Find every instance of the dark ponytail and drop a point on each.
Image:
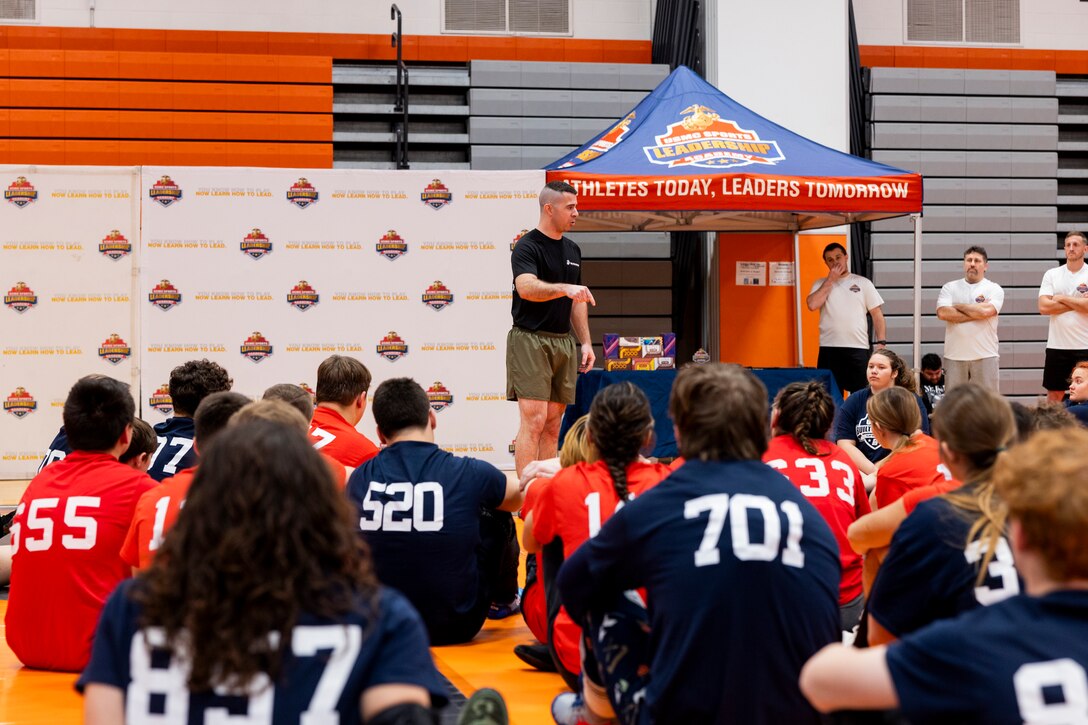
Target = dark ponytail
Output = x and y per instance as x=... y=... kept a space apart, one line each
x=805 y=411
x=619 y=420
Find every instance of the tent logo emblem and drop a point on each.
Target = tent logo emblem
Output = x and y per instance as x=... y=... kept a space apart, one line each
x=256 y=347
x=604 y=143
x=161 y=401
x=437 y=296
x=302 y=193
x=20 y=298
x=164 y=295
x=705 y=139
x=113 y=350
x=303 y=296
x=256 y=244
x=436 y=195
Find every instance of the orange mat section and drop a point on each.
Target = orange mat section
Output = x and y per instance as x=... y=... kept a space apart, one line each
x=30 y=697
x=1071 y=62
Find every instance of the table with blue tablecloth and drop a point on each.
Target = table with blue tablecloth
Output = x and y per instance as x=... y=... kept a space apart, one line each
x=657 y=385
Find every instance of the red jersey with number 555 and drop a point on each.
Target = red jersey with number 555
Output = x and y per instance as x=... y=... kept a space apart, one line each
x=65 y=539
x=831 y=482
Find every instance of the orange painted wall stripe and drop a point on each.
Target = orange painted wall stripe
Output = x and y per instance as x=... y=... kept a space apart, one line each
x=171 y=153
x=1066 y=62
x=173 y=125
x=345 y=46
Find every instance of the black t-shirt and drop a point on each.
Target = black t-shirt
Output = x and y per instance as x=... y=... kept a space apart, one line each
x=551 y=260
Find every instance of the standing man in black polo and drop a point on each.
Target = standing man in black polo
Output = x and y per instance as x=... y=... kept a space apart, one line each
x=551 y=321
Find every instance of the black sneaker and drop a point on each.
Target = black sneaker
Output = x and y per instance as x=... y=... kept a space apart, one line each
x=485 y=707
x=536 y=656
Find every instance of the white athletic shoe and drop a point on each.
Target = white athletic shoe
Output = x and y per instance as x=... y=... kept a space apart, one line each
x=568 y=708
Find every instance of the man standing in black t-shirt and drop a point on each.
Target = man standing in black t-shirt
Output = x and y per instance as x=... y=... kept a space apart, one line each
x=549 y=302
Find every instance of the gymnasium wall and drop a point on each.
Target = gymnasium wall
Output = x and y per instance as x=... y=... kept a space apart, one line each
x=129 y=272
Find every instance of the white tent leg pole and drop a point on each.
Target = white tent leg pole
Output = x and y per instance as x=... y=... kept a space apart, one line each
x=797 y=298
x=917 y=219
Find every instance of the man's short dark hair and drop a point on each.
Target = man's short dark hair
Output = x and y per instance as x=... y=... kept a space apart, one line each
x=341 y=379
x=831 y=248
x=293 y=395
x=213 y=413
x=143 y=440
x=931 y=361
x=96 y=412
x=562 y=187
x=399 y=404
x=975 y=249
x=191 y=382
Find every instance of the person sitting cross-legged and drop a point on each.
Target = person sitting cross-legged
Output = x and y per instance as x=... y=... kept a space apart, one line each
x=438 y=524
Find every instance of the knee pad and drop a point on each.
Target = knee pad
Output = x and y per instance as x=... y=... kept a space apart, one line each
x=405 y=714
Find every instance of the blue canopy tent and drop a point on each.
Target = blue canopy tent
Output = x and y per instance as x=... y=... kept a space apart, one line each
x=690 y=158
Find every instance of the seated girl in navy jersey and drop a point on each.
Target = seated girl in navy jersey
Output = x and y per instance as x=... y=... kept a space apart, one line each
x=824 y=473
x=852 y=431
x=951 y=554
x=1078 y=393
x=913 y=461
x=262 y=603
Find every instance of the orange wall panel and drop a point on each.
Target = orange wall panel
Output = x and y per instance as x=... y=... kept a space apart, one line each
x=74 y=38
x=140 y=39
x=199 y=126
x=252 y=127
x=303 y=69
x=91 y=153
x=199 y=67
x=145 y=95
x=305 y=127
x=242 y=42
x=36 y=63
x=305 y=99
x=36 y=123
x=36 y=152
x=31 y=36
x=145 y=153
x=192 y=41
x=36 y=93
x=90 y=63
x=5 y=70
x=91 y=124
x=200 y=153
x=90 y=94
x=306 y=156
x=145 y=124
x=141 y=65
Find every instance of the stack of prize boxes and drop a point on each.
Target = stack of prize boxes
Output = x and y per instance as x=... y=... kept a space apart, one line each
x=639 y=353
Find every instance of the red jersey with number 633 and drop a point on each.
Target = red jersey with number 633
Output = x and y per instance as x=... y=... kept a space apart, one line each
x=65 y=539
x=831 y=482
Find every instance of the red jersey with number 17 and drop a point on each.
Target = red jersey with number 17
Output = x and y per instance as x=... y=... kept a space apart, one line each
x=831 y=482
x=338 y=439
x=65 y=539
x=572 y=507
x=156 y=512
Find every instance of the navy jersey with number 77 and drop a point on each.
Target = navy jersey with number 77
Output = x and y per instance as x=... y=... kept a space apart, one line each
x=742 y=577
x=174 y=451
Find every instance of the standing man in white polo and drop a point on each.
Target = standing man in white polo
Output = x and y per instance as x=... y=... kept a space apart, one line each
x=844 y=300
x=1063 y=296
x=969 y=308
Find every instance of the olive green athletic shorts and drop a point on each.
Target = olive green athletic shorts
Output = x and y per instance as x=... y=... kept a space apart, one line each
x=541 y=366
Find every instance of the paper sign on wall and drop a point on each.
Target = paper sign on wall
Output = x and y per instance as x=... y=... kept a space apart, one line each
x=781 y=274
x=751 y=274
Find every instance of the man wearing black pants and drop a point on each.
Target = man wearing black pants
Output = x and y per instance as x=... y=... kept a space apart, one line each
x=438 y=525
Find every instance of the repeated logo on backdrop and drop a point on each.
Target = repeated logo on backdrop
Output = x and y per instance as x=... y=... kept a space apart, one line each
x=517 y=237
x=161 y=401
x=302 y=193
x=436 y=195
x=437 y=296
x=391 y=245
x=20 y=298
x=164 y=295
x=302 y=296
x=256 y=347
x=21 y=192
x=256 y=244
x=439 y=396
x=114 y=245
x=165 y=191
x=114 y=349
x=20 y=403
x=392 y=347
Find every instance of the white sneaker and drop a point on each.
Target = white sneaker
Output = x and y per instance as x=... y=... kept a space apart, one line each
x=568 y=708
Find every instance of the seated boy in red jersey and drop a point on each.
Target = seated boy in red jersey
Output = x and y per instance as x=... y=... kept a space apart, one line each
x=157 y=509
x=68 y=530
x=342 y=385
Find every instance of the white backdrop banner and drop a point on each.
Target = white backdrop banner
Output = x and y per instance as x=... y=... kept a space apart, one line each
x=270 y=271
x=69 y=241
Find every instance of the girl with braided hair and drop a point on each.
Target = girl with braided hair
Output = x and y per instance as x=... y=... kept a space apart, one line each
x=571 y=507
x=824 y=473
